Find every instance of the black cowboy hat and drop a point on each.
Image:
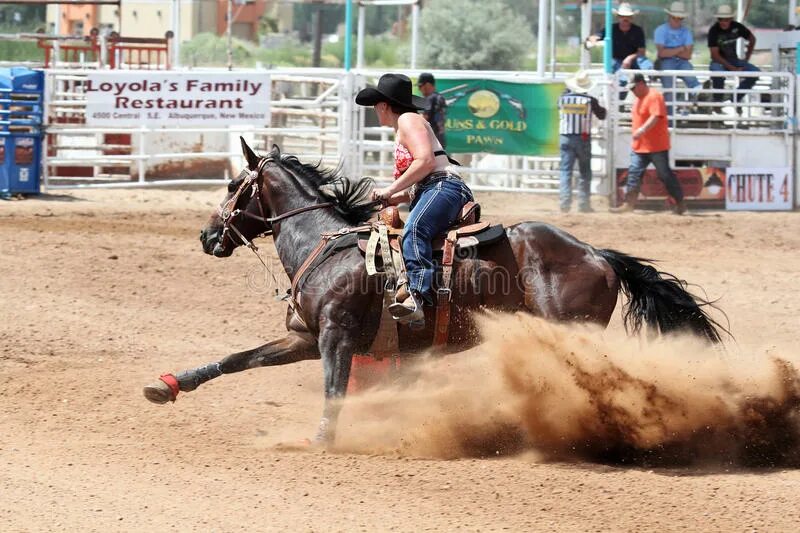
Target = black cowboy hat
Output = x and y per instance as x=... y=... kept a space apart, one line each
x=394 y=89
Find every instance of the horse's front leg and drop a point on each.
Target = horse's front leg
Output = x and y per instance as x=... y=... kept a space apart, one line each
x=290 y=349
x=337 y=342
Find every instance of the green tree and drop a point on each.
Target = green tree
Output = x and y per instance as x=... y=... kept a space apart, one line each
x=473 y=34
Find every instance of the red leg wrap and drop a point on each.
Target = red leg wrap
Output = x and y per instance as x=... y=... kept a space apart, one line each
x=172 y=383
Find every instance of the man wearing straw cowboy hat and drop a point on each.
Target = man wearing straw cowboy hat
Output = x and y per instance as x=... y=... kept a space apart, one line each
x=675 y=44
x=628 y=41
x=575 y=109
x=722 y=37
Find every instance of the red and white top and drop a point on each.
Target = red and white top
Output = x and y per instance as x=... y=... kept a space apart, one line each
x=402 y=160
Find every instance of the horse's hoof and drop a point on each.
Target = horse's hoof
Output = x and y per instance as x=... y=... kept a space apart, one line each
x=162 y=391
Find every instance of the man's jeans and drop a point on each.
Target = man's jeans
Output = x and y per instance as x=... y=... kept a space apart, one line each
x=744 y=83
x=575 y=147
x=660 y=160
x=436 y=206
x=668 y=82
x=641 y=63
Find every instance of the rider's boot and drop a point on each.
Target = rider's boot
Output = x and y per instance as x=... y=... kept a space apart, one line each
x=407 y=308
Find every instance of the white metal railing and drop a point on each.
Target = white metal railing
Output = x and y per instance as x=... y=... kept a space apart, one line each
x=768 y=106
x=313 y=116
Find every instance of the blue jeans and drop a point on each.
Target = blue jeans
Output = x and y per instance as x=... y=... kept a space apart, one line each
x=744 y=83
x=667 y=82
x=436 y=206
x=641 y=63
x=660 y=160
x=575 y=147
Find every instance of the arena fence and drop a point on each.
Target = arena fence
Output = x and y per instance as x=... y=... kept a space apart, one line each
x=314 y=116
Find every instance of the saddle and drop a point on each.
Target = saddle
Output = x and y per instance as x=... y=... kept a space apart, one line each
x=383 y=255
x=380 y=242
x=470 y=231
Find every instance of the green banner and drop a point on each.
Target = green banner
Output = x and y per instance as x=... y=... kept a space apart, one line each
x=501 y=117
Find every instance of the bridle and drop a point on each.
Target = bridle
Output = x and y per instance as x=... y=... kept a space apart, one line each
x=254 y=180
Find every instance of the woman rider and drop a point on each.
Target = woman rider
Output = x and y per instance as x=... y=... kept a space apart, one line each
x=424 y=176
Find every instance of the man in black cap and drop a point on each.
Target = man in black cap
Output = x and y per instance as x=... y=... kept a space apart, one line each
x=436 y=107
x=650 y=143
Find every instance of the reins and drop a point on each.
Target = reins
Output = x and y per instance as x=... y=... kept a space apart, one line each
x=228 y=213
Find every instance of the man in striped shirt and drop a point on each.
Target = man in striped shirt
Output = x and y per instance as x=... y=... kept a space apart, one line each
x=576 y=108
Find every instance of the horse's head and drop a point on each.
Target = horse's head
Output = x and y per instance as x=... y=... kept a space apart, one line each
x=241 y=216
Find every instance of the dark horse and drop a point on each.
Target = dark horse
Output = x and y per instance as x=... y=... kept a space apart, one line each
x=539 y=269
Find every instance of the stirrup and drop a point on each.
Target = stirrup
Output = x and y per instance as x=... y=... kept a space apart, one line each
x=404 y=313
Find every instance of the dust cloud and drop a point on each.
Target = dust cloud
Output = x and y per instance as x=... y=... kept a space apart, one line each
x=566 y=392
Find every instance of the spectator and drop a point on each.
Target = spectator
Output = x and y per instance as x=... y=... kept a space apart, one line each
x=436 y=107
x=650 y=144
x=575 y=109
x=675 y=44
x=628 y=44
x=722 y=37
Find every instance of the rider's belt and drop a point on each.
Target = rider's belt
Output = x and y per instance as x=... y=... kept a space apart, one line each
x=439 y=175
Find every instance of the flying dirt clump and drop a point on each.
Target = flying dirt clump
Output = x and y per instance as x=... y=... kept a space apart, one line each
x=581 y=393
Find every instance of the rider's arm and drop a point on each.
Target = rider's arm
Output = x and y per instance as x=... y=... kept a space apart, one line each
x=412 y=132
x=399 y=198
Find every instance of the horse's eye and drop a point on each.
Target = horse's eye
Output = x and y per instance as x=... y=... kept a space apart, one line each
x=232 y=186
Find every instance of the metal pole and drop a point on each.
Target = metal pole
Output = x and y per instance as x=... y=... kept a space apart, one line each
x=553 y=38
x=608 y=64
x=348 y=32
x=57 y=30
x=541 y=52
x=230 y=36
x=346 y=121
x=316 y=32
x=586 y=30
x=414 y=34
x=740 y=18
x=793 y=12
x=360 y=40
x=142 y=151
x=176 y=30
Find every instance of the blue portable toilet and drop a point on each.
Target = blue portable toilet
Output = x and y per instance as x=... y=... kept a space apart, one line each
x=21 y=113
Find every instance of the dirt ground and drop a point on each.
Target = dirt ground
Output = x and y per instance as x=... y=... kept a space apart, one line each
x=101 y=291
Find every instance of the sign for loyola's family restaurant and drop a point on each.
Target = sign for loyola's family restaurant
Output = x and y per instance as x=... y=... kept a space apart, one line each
x=146 y=98
x=758 y=189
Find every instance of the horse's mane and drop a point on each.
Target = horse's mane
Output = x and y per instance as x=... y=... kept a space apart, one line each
x=350 y=199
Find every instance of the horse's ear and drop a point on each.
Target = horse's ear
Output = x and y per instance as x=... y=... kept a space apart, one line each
x=249 y=155
x=276 y=151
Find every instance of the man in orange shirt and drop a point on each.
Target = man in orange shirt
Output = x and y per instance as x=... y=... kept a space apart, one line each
x=650 y=145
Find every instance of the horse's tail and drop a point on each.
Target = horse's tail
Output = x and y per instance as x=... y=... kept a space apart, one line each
x=660 y=299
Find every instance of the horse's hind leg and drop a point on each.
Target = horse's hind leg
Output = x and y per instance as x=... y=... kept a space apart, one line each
x=290 y=349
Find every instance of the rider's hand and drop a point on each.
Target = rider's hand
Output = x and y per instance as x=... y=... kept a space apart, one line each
x=383 y=194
